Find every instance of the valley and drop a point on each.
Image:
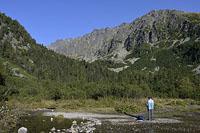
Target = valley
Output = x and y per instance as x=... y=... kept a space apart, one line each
x=109 y=70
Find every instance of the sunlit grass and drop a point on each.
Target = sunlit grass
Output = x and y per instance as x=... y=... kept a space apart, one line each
x=103 y=105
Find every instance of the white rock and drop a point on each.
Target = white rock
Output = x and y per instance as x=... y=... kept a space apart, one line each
x=53 y=129
x=157 y=68
x=144 y=68
x=22 y=130
x=153 y=59
x=197 y=70
x=118 y=69
x=133 y=60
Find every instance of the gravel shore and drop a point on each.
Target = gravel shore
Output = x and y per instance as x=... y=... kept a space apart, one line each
x=113 y=118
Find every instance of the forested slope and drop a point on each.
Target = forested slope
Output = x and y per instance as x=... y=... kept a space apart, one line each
x=30 y=70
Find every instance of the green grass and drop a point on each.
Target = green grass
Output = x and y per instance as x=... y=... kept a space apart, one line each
x=163 y=107
x=194 y=17
x=104 y=105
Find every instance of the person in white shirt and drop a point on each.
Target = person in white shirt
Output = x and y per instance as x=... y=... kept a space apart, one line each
x=150 y=108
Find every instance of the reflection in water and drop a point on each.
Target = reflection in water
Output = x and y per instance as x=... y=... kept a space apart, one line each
x=150 y=130
x=38 y=123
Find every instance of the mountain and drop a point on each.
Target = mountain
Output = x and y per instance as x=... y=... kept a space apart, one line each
x=88 y=46
x=118 y=42
x=28 y=69
x=158 y=54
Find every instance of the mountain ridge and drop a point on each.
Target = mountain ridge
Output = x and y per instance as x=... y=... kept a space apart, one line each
x=168 y=68
x=117 y=41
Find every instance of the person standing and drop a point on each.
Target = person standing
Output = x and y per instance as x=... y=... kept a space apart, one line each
x=150 y=108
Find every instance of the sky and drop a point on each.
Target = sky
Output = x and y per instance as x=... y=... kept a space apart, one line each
x=50 y=20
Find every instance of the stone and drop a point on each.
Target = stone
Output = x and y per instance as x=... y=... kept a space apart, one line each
x=22 y=130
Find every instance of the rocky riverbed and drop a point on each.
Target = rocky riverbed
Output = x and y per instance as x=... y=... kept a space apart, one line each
x=112 y=118
x=57 y=122
x=94 y=121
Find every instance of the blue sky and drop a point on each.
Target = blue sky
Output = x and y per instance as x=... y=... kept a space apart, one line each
x=49 y=20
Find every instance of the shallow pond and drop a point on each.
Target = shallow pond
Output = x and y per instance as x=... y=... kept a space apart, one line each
x=190 y=123
x=39 y=123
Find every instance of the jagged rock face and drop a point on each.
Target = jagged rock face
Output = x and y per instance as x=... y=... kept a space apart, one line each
x=93 y=45
x=116 y=43
x=161 y=25
x=83 y=47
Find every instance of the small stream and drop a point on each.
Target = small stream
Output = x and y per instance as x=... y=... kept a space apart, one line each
x=38 y=123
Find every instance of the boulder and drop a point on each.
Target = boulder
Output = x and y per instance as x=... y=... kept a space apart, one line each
x=22 y=130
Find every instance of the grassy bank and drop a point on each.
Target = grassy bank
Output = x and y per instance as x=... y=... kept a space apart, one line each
x=14 y=108
x=104 y=105
x=9 y=117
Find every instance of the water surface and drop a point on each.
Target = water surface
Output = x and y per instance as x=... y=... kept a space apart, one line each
x=190 y=123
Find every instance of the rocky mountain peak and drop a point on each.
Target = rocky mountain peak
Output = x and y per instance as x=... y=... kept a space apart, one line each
x=116 y=43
